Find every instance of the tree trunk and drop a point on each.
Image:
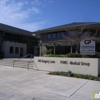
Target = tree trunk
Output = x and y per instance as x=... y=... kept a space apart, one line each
x=54 y=50
x=76 y=48
x=71 y=49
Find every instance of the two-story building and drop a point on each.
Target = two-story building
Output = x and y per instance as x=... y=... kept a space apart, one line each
x=53 y=37
x=15 y=42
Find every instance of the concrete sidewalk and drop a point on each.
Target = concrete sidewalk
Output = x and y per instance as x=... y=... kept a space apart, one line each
x=21 y=84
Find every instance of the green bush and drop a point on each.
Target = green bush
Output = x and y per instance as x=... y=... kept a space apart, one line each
x=52 y=55
x=85 y=56
x=59 y=73
x=74 y=55
x=90 y=77
x=77 y=55
x=97 y=55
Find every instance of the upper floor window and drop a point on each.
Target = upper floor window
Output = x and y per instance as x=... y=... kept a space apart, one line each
x=49 y=36
x=65 y=33
x=85 y=34
x=58 y=35
x=54 y=35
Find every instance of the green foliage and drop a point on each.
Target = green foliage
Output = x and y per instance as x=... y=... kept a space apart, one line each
x=97 y=55
x=74 y=55
x=52 y=55
x=59 y=73
x=90 y=77
x=85 y=56
x=77 y=55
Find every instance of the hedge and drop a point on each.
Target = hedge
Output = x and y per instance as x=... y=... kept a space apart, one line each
x=90 y=77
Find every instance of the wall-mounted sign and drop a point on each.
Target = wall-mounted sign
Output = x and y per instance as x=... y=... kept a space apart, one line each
x=87 y=47
x=75 y=65
x=65 y=62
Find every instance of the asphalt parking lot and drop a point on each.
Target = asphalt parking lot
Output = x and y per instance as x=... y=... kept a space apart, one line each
x=23 y=84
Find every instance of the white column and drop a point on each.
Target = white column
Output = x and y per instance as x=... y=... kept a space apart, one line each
x=40 y=50
x=71 y=49
x=40 y=44
x=54 y=49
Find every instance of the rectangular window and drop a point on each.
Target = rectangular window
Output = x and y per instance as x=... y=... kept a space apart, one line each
x=58 y=35
x=16 y=50
x=1 y=33
x=49 y=36
x=21 y=52
x=54 y=35
x=11 y=49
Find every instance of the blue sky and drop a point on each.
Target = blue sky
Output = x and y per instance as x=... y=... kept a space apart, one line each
x=34 y=15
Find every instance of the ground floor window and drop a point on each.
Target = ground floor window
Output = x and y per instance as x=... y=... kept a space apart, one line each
x=16 y=50
x=11 y=49
x=21 y=52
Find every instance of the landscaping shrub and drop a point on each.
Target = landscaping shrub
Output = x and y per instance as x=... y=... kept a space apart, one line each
x=97 y=55
x=90 y=77
x=85 y=56
x=74 y=55
x=52 y=55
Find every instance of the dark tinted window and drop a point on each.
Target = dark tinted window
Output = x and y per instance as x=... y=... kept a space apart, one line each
x=58 y=35
x=16 y=50
x=1 y=33
x=11 y=49
x=49 y=36
x=21 y=50
x=54 y=35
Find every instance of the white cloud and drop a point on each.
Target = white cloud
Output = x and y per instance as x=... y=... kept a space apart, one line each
x=36 y=2
x=36 y=9
x=13 y=13
x=33 y=26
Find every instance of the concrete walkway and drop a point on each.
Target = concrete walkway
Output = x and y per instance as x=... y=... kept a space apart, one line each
x=21 y=84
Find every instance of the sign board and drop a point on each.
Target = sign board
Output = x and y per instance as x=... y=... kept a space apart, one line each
x=76 y=65
x=87 y=47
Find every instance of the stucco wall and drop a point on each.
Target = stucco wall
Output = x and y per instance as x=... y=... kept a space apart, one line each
x=76 y=65
x=6 y=48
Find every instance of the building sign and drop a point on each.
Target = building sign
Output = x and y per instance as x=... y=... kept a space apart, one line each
x=87 y=47
x=64 y=62
x=75 y=65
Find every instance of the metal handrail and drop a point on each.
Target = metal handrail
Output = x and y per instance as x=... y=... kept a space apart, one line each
x=24 y=56
x=21 y=58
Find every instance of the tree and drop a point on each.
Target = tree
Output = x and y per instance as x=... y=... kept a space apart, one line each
x=74 y=36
